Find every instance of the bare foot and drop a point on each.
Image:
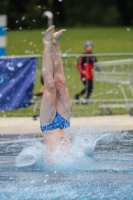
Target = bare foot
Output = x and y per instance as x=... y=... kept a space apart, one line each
x=57 y=35
x=48 y=35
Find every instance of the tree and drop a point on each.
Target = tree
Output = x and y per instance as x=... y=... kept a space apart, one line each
x=28 y=14
x=25 y=14
x=125 y=8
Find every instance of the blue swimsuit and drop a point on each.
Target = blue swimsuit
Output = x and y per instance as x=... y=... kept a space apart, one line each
x=58 y=122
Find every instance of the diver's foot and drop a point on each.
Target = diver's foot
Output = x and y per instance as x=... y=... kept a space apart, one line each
x=57 y=35
x=48 y=35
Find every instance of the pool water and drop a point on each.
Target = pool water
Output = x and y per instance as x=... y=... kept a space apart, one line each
x=101 y=168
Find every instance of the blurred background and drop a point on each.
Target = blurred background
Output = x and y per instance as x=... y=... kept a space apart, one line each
x=28 y=14
x=107 y=23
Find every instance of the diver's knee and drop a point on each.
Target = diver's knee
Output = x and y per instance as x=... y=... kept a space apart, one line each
x=60 y=82
x=50 y=85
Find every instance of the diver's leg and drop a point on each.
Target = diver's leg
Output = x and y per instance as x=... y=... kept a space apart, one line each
x=48 y=103
x=62 y=95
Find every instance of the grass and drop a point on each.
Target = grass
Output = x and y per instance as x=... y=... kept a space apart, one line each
x=106 y=40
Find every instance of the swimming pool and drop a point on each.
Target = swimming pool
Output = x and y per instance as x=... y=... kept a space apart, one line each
x=102 y=168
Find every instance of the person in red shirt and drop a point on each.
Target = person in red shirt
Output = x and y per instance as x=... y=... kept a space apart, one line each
x=85 y=67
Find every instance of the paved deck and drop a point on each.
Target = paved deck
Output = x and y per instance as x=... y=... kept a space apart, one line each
x=26 y=125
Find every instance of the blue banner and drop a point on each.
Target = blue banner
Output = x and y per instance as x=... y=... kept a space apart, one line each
x=17 y=76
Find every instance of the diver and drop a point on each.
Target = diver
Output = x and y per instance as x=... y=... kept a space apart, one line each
x=55 y=103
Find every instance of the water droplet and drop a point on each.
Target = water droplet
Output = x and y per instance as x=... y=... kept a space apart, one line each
x=19 y=64
x=11 y=68
x=128 y=29
x=32 y=182
x=23 y=18
x=43 y=69
x=26 y=51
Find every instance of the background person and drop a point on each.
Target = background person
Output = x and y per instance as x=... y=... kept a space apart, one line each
x=85 y=67
x=40 y=93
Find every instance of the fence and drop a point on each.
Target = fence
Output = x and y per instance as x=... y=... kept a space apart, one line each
x=113 y=87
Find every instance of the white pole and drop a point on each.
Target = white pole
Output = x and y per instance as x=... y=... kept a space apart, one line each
x=49 y=15
x=3 y=24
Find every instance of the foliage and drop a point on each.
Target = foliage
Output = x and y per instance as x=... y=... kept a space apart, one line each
x=28 y=15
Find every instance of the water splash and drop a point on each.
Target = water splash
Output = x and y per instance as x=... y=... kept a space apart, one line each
x=95 y=169
x=80 y=158
x=29 y=155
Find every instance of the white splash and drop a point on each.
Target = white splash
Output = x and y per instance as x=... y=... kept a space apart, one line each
x=11 y=68
x=20 y=64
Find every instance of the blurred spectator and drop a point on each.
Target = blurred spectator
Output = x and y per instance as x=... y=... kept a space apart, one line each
x=85 y=67
x=40 y=93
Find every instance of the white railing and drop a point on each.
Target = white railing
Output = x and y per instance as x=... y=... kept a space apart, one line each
x=113 y=85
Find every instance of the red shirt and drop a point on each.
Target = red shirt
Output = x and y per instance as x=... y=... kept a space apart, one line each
x=85 y=66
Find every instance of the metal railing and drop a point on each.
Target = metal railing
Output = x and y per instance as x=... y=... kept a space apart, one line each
x=113 y=85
